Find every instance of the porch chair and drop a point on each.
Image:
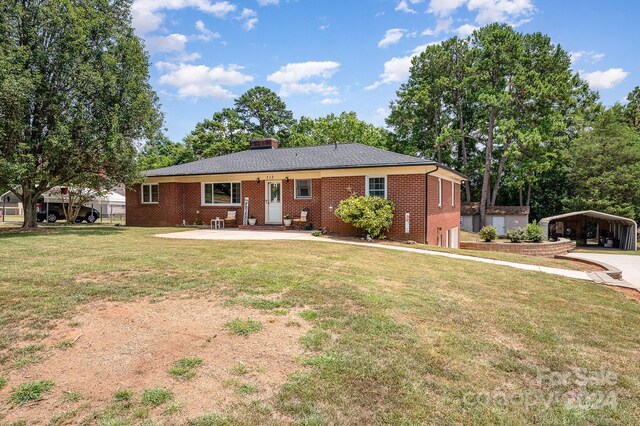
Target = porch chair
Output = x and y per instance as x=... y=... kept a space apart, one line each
x=301 y=222
x=231 y=220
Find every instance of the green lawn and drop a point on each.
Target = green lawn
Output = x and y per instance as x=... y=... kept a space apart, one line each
x=395 y=338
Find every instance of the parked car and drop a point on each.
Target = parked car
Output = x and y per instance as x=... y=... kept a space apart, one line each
x=56 y=211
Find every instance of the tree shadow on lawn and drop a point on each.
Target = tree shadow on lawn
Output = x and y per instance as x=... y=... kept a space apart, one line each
x=76 y=230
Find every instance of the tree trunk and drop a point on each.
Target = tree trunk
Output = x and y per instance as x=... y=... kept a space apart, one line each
x=29 y=199
x=488 y=157
x=496 y=188
x=520 y=195
x=463 y=145
x=529 y=195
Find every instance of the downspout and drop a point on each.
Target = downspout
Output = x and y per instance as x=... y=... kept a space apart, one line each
x=426 y=202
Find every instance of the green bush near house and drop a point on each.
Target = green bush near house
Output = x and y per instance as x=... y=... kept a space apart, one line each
x=488 y=233
x=373 y=215
x=534 y=232
x=517 y=235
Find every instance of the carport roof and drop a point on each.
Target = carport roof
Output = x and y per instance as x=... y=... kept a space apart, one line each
x=591 y=213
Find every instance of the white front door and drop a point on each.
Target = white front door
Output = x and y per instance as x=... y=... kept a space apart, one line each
x=499 y=223
x=274 y=202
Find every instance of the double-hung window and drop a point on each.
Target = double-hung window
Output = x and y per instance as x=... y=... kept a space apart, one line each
x=149 y=193
x=303 y=189
x=377 y=186
x=439 y=192
x=223 y=193
x=453 y=194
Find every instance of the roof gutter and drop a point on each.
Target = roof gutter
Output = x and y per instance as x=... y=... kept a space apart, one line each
x=426 y=201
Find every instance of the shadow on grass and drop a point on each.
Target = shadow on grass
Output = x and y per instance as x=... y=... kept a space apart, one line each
x=77 y=230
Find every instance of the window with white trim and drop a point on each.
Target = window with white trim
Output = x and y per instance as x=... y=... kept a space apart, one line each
x=302 y=189
x=221 y=193
x=453 y=194
x=150 y=193
x=439 y=192
x=377 y=186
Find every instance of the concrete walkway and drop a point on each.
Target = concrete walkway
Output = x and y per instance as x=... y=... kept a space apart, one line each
x=248 y=235
x=627 y=263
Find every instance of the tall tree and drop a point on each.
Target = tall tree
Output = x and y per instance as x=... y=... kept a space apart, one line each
x=632 y=109
x=496 y=105
x=223 y=134
x=74 y=95
x=160 y=151
x=332 y=128
x=264 y=113
x=604 y=167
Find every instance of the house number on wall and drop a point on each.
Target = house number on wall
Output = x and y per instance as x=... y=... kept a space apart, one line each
x=269 y=177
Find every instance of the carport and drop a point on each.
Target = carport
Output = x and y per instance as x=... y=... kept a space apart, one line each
x=591 y=228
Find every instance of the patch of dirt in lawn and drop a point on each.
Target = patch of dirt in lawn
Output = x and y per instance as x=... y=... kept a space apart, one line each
x=132 y=345
x=630 y=293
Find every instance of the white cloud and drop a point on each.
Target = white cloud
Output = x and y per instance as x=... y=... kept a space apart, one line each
x=250 y=18
x=323 y=27
x=195 y=81
x=582 y=55
x=465 y=30
x=500 y=10
x=513 y=12
x=268 y=2
x=444 y=7
x=163 y=44
x=205 y=33
x=293 y=78
x=391 y=37
x=330 y=101
x=147 y=17
x=403 y=6
x=396 y=70
x=605 y=79
x=442 y=25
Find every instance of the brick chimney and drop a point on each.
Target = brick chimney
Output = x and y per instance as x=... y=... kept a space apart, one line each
x=266 y=143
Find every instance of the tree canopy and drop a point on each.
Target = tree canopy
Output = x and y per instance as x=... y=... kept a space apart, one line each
x=74 y=95
x=496 y=105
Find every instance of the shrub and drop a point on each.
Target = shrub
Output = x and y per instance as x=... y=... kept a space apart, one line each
x=517 y=235
x=373 y=215
x=488 y=233
x=534 y=232
x=316 y=233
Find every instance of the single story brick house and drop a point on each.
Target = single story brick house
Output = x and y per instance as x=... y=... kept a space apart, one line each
x=272 y=182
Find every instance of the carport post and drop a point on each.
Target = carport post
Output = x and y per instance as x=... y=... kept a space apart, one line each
x=4 y=201
x=46 y=218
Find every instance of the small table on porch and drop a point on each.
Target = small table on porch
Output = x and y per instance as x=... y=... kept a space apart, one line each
x=217 y=223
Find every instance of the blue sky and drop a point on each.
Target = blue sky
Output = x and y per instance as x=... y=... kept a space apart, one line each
x=326 y=56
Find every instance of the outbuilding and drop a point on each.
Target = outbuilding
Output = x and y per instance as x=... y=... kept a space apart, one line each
x=591 y=228
x=504 y=218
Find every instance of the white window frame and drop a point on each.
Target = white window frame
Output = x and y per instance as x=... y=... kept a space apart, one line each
x=213 y=204
x=295 y=190
x=453 y=194
x=439 y=192
x=149 y=185
x=376 y=177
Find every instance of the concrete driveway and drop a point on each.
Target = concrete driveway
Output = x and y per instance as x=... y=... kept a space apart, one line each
x=627 y=263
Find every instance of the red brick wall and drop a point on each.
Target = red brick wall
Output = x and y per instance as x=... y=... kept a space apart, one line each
x=178 y=201
x=408 y=194
x=335 y=189
x=294 y=207
x=441 y=219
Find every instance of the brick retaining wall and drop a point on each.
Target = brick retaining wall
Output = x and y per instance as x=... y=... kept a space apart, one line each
x=548 y=249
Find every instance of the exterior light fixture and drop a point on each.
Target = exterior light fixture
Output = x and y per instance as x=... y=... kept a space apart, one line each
x=286 y=179
x=258 y=180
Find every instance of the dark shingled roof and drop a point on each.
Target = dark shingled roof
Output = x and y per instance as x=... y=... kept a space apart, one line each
x=469 y=209
x=340 y=156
